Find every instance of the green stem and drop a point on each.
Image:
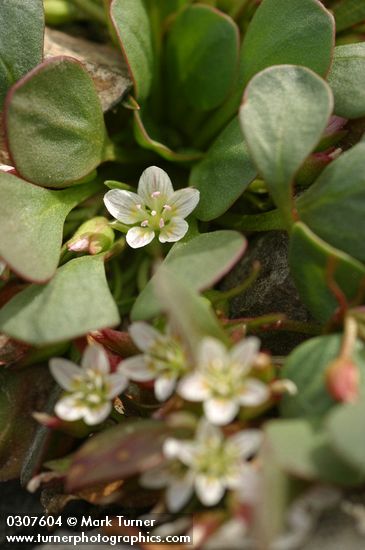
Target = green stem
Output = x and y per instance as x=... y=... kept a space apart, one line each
x=240 y=289
x=276 y=322
x=119 y=226
x=238 y=7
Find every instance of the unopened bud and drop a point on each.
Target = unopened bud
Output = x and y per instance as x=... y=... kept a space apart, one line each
x=343 y=380
x=93 y=236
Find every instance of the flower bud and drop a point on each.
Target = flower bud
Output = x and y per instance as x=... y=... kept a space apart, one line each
x=343 y=380
x=93 y=236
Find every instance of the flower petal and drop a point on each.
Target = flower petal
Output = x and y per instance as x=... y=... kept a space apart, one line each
x=154 y=180
x=193 y=388
x=123 y=205
x=143 y=335
x=95 y=358
x=64 y=372
x=247 y=442
x=117 y=383
x=184 y=201
x=155 y=478
x=69 y=409
x=212 y=350
x=97 y=415
x=164 y=387
x=207 y=431
x=245 y=352
x=254 y=393
x=173 y=231
x=135 y=368
x=220 y=411
x=183 y=450
x=178 y=493
x=209 y=490
x=139 y=236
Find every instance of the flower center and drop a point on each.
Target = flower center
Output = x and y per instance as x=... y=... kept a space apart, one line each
x=156 y=215
x=223 y=380
x=166 y=357
x=90 y=389
x=215 y=460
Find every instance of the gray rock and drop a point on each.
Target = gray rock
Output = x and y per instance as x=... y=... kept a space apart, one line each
x=273 y=292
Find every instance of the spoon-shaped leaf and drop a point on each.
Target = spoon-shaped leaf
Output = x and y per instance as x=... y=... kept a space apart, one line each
x=132 y=25
x=333 y=207
x=347 y=80
x=315 y=266
x=31 y=225
x=21 y=40
x=224 y=173
x=284 y=113
x=77 y=300
x=54 y=123
x=200 y=262
x=202 y=56
x=298 y=32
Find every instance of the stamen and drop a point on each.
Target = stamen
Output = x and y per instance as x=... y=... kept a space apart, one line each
x=144 y=223
x=153 y=212
x=167 y=207
x=161 y=223
x=155 y=194
x=138 y=206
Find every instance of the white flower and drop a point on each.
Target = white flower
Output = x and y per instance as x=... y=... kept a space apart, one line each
x=2 y=266
x=163 y=360
x=210 y=465
x=89 y=388
x=222 y=380
x=155 y=209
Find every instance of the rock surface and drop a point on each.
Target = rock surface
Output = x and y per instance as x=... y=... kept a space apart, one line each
x=272 y=292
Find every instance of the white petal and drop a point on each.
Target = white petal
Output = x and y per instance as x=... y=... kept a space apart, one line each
x=95 y=358
x=6 y=168
x=164 y=387
x=154 y=180
x=118 y=383
x=193 y=388
x=155 y=478
x=178 y=493
x=139 y=236
x=135 y=368
x=212 y=350
x=181 y=449
x=247 y=442
x=184 y=201
x=64 y=372
x=209 y=491
x=173 y=231
x=68 y=409
x=206 y=430
x=95 y=416
x=220 y=412
x=143 y=335
x=254 y=394
x=123 y=205
x=245 y=352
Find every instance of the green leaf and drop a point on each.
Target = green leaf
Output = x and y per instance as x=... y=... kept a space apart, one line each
x=346 y=430
x=202 y=57
x=315 y=265
x=284 y=113
x=348 y=13
x=297 y=32
x=333 y=207
x=224 y=173
x=306 y=367
x=118 y=453
x=21 y=40
x=22 y=392
x=54 y=123
x=347 y=80
x=302 y=448
x=133 y=29
x=77 y=300
x=191 y=315
x=31 y=225
x=200 y=263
